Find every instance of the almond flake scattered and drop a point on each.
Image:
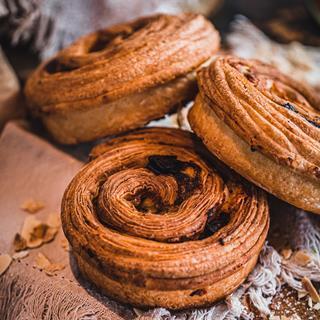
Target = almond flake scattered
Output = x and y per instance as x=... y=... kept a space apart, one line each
x=50 y=234
x=138 y=312
x=20 y=255
x=32 y=206
x=34 y=233
x=37 y=235
x=65 y=244
x=272 y=317
x=19 y=243
x=29 y=224
x=314 y=295
x=301 y=258
x=43 y=263
x=5 y=261
x=54 y=220
x=317 y=306
x=309 y=302
x=302 y=294
x=286 y=253
x=53 y=268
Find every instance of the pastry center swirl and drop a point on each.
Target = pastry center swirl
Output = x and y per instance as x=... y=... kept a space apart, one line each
x=147 y=201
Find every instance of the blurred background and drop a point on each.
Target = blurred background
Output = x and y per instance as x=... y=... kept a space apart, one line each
x=33 y=30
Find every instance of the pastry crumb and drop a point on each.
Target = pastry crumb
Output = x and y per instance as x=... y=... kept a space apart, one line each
x=43 y=263
x=32 y=206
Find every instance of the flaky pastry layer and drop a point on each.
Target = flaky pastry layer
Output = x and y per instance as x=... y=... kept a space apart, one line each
x=276 y=118
x=109 y=67
x=154 y=221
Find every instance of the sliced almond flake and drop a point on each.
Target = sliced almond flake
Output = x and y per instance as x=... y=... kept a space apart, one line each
x=309 y=302
x=314 y=295
x=286 y=253
x=65 y=244
x=20 y=255
x=39 y=232
x=272 y=317
x=50 y=234
x=53 y=268
x=36 y=232
x=19 y=243
x=43 y=263
x=54 y=220
x=32 y=206
x=138 y=312
x=302 y=294
x=301 y=258
x=36 y=243
x=317 y=306
x=5 y=261
x=30 y=223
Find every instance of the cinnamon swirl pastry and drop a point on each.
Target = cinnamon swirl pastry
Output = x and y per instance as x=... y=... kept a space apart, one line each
x=264 y=125
x=122 y=77
x=152 y=222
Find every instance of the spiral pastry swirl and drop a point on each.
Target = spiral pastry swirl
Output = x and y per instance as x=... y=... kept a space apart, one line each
x=152 y=222
x=264 y=125
x=122 y=77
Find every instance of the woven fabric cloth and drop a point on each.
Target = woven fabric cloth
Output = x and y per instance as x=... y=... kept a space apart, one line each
x=52 y=24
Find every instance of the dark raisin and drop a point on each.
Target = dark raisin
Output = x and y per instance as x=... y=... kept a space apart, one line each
x=164 y=164
x=290 y=107
x=199 y=292
x=315 y=124
x=170 y=165
x=215 y=224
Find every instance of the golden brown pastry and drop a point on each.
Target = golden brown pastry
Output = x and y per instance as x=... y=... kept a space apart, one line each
x=264 y=125
x=122 y=77
x=152 y=223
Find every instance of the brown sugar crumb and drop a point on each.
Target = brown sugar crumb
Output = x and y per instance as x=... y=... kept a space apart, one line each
x=32 y=206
